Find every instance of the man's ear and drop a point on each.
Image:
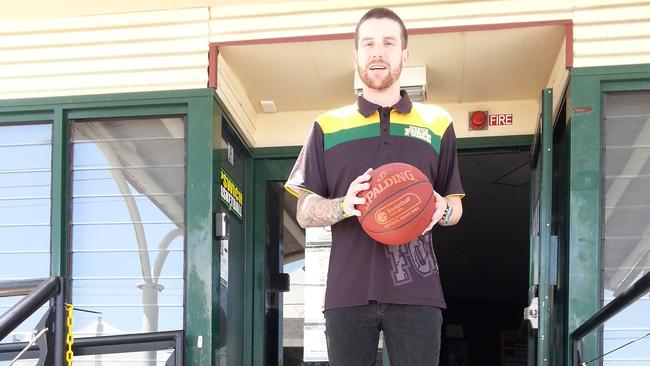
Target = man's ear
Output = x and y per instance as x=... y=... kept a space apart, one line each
x=405 y=55
x=355 y=58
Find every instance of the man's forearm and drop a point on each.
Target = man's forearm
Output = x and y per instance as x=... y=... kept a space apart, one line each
x=317 y=211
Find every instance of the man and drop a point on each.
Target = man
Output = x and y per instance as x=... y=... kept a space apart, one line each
x=370 y=286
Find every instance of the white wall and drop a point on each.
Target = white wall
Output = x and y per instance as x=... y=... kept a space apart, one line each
x=611 y=32
x=291 y=128
x=302 y=18
x=606 y=32
x=145 y=51
x=232 y=93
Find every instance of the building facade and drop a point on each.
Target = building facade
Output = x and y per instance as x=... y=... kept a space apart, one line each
x=132 y=133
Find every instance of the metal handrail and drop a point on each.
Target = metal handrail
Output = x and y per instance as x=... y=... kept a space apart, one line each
x=38 y=292
x=136 y=342
x=124 y=343
x=622 y=301
x=19 y=287
x=26 y=306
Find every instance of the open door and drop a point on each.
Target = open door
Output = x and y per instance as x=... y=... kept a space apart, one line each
x=276 y=281
x=273 y=245
x=540 y=293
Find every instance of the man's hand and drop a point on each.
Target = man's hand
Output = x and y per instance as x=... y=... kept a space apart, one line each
x=316 y=211
x=351 y=199
x=441 y=206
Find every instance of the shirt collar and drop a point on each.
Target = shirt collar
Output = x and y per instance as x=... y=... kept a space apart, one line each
x=367 y=108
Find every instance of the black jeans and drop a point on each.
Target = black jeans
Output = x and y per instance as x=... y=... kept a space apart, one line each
x=411 y=334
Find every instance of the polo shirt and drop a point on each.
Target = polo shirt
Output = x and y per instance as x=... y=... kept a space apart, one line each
x=342 y=145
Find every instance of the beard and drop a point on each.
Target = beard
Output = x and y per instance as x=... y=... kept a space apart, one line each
x=385 y=82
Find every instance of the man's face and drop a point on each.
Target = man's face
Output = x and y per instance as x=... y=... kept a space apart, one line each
x=379 y=55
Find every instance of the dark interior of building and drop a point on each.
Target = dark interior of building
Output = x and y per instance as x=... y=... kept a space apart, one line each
x=484 y=262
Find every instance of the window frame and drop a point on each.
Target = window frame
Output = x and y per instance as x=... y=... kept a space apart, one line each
x=586 y=196
x=76 y=244
x=199 y=108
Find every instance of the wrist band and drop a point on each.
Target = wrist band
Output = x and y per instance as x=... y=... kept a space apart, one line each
x=342 y=209
x=447 y=214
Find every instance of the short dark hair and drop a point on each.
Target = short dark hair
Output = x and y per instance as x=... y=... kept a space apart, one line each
x=380 y=13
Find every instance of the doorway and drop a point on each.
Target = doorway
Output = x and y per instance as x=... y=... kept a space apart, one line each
x=483 y=262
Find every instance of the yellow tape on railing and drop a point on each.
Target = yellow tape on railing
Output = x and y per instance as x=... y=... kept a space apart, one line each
x=69 y=338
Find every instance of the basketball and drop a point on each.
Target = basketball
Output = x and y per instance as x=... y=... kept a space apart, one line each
x=399 y=204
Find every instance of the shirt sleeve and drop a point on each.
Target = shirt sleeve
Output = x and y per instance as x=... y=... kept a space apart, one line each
x=308 y=174
x=448 y=179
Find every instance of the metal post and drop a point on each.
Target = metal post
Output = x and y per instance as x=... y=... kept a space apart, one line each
x=59 y=324
x=150 y=313
x=577 y=351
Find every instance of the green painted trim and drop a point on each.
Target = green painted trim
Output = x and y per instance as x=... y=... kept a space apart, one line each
x=560 y=227
x=494 y=142
x=249 y=266
x=610 y=71
x=334 y=138
x=101 y=100
x=60 y=204
x=237 y=309
x=544 y=336
x=139 y=110
x=262 y=173
x=202 y=253
x=241 y=253
x=202 y=266
x=215 y=325
x=626 y=85
x=583 y=285
x=540 y=343
x=265 y=170
x=276 y=152
x=584 y=288
x=26 y=116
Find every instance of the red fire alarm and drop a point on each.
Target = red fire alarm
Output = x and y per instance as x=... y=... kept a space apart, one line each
x=478 y=120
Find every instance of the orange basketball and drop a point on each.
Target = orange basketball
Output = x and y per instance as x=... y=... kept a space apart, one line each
x=399 y=204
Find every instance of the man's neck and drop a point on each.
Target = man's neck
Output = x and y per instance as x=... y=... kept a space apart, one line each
x=385 y=98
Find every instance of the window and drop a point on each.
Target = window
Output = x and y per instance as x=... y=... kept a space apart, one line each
x=626 y=218
x=25 y=190
x=128 y=225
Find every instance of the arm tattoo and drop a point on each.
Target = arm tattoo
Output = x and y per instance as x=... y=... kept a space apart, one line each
x=316 y=211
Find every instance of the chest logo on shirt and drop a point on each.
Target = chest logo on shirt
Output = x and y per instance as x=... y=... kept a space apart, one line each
x=418 y=132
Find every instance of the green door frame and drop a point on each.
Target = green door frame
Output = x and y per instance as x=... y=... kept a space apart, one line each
x=275 y=164
x=200 y=108
x=540 y=230
x=269 y=165
x=239 y=350
x=588 y=84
